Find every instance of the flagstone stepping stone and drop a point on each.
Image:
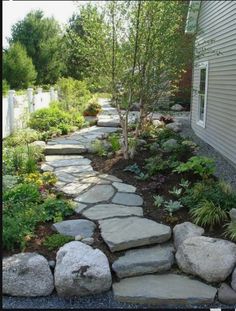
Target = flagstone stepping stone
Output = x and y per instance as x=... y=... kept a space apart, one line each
x=110 y=177
x=46 y=168
x=64 y=149
x=65 y=177
x=50 y=158
x=70 y=162
x=82 y=175
x=80 y=207
x=97 y=194
x=75 y=169
x=163 y=289
x=75 y=188
x=102 y=211
x=124 y=187
x=109 y=121
x=145 y=260
x=127 y=199
x=63 y=142
x=96 y=180
x=124 y=233
x=59 y=184
x=75 y=227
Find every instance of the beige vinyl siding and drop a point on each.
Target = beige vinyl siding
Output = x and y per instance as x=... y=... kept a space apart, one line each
x=217 y=21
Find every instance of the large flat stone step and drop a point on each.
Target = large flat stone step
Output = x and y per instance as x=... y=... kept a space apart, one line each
x=146 y=260
x=171 y=289
x=124 y=233
x=64 y=149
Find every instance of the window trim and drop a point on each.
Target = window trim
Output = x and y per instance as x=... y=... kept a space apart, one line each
x=200 y=122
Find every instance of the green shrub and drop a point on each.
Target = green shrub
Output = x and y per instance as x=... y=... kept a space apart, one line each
x=23 y=193
x=5 y=87
x=21 y=159
x=156 y=164
x=46 y=118
x=21 y=137
x=208 y=214
x=19 y=222
x=9 y=181
x=211 y=191
x=114 y=140
x=98 y=148
x=56 y=209
x=230 y=231
x=73 y=94
x=56 y=241
x=201 y=165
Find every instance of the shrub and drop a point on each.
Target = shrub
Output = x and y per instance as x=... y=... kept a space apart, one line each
x=200 y=165
x=114 y=140
x=211 y=191
x=9 y=181
x=98 y=148
x=230 y=231
x=56 y=209
x=208 y=214
x=157 y=164
x=21 y=137
x=166 y=119
x=19 y=222
x=45 y=179
x=46 y=118
x=23 y=193
x=5 y=87
x=56 y=241
x=21 y=159
x=73 y=94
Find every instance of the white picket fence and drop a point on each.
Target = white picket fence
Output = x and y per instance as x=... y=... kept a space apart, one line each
x=16 y=108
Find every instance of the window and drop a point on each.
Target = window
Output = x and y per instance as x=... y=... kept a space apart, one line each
x=202 y=94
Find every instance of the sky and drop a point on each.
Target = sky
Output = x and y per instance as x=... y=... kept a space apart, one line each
x=13 y=11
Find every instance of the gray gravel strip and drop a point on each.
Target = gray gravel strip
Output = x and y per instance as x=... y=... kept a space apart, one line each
x=224 y=169
x=101 y=301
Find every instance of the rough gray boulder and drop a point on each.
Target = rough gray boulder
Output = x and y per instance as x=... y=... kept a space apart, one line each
x=185 y=230
x=211 y=259
x=81 y=270
x=226 y=294
x=177 y=107
x=175 y=126
x=233 y=282
x=232 y=214
x=27 y=274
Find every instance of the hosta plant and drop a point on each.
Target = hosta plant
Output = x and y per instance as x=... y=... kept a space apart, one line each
x=158 y=200
x=176 y=191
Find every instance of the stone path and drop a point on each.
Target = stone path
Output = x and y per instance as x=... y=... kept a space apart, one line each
x=117 y=209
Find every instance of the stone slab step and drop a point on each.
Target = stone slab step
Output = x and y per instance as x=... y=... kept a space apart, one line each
x=75 y=227
x=61 y=149
x=145 y=260
x=103 y=211
x=124 y=233
x=163 y=289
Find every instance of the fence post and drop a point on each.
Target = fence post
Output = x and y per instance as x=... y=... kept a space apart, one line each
x=52 y=94
x=11 y=94
x=30 y=99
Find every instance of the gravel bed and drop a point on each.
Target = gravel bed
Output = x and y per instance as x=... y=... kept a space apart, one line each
x=224 y=169
x=101 y=301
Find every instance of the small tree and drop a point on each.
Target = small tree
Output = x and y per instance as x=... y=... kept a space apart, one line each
x=18 y=68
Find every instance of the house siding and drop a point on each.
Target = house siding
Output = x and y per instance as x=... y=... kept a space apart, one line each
x=217 y=21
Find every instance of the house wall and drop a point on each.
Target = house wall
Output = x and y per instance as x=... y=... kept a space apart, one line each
x=217 y=21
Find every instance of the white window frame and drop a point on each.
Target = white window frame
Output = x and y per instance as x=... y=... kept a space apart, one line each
x=202 y=123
